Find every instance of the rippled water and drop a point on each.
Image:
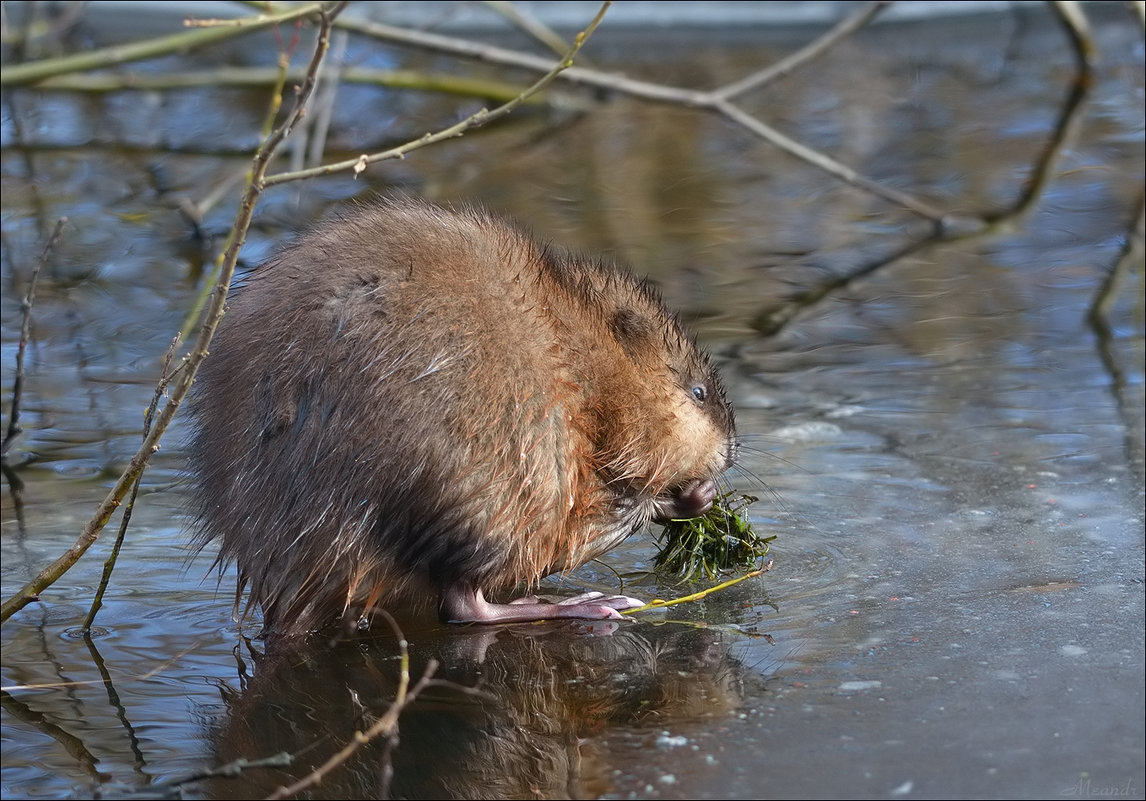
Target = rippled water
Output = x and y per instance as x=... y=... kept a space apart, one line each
x=950 y=454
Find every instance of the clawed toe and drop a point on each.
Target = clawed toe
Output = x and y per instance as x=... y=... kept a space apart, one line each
x=462 y=604
x=600 y=599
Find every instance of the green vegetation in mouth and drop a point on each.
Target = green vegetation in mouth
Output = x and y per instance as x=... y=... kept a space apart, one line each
x=719 y=541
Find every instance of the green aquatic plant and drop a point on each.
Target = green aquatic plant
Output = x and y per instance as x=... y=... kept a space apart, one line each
x=719 y=541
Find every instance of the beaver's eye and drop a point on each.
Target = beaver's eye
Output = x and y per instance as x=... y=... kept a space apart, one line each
x=699 y=392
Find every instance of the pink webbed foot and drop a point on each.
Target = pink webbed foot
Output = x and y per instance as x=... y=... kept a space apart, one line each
x=465 y=605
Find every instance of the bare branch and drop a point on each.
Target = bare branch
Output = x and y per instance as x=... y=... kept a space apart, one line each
x=33 y=71
x=480 y=118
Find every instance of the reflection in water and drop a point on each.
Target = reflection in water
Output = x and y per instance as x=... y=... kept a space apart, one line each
x=515 y=712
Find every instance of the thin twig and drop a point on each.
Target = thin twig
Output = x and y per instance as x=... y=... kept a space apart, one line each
x=717 y=100
x=696 y=596
x=330 y=79
x=476 y=120
x=1071 y=15
x=14 y=427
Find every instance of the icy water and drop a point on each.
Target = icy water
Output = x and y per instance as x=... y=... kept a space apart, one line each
x=950 y=450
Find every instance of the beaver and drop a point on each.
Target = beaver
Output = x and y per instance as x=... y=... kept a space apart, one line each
x=415 y=402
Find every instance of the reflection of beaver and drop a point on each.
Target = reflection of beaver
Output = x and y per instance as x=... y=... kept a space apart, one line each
x=554 y=713
x=413 y=402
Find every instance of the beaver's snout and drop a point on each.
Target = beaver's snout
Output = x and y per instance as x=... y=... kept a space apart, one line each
x=691 y=500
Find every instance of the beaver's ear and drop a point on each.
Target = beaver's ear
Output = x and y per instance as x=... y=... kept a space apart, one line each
x=631 y=328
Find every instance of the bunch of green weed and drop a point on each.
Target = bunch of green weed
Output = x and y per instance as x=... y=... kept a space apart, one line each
x=719 y=541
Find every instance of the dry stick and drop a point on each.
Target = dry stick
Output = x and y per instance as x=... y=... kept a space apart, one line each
x=1073 y=18
x=386 y=725
x=476 y=120
x=30 y=592
x=21 y=74
x=14 y=427
x=591 y=77
x=230 y=770
x=716 y=100
x=110 y=562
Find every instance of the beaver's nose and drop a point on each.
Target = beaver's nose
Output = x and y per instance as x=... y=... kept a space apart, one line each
x=691 y=500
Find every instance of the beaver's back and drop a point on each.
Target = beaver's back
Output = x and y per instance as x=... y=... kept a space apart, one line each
x=410 y=397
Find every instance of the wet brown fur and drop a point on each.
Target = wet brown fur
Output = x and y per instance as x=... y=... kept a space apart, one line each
x=411 y=396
